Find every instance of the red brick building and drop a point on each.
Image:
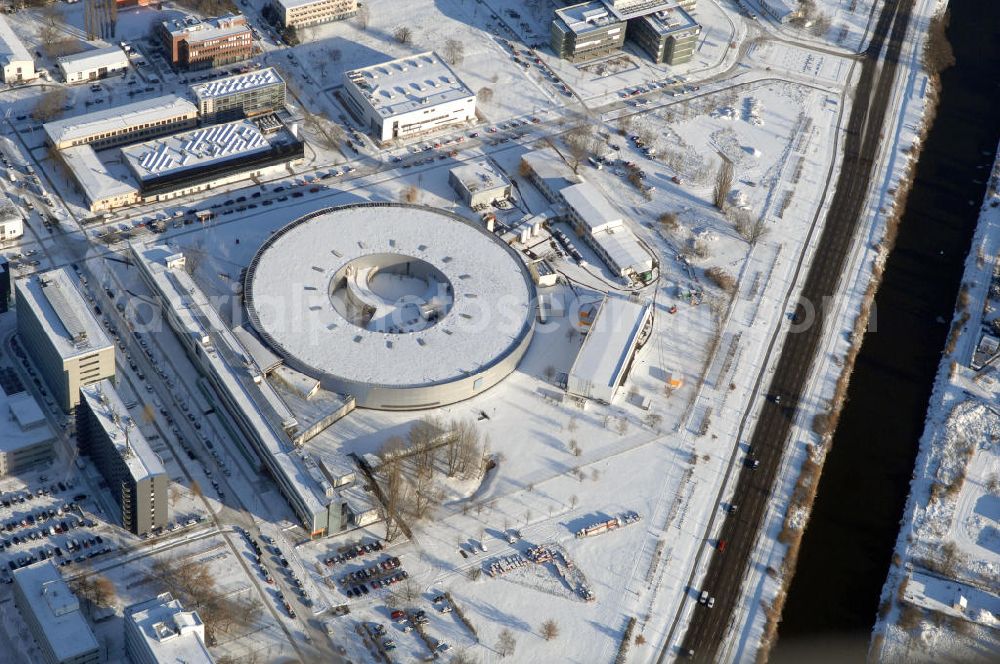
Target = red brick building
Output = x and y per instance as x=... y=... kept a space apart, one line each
x=191 y=43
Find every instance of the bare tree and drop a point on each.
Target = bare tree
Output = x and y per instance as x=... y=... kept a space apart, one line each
x=550 y=629
x=723 y=184
x=50 y=105
x=578 y=144
x=362 y=17
x=454 y=51
x=403 y=35
x=485 y=94
x=750 y=228
x=506 y=643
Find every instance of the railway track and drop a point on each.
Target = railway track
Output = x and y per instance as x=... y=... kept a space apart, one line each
x=726 y=571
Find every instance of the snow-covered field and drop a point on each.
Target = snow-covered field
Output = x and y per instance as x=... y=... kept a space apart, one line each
x=940 y=600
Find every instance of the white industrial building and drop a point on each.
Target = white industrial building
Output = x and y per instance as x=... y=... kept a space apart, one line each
x=605 y=231
x=479 y=183
x=11 y=221
x=159 y=630
x=17 y=64
x=403 y=307
x=64 y=339
x=53 y=615
x=209 y=156
x=615 y=333
x=548 y=172
x=409 y=97
x=93 y=65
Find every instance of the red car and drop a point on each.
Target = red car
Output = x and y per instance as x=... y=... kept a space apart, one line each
x=721 y=546
x=398 y=615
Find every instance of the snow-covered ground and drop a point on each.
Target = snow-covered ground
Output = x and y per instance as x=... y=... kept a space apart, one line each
x=940 y=600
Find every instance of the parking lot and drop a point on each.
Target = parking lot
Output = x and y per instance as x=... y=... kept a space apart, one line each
x=45 y=520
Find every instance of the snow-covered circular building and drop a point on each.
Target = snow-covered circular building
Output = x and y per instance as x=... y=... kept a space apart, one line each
x=402 y=306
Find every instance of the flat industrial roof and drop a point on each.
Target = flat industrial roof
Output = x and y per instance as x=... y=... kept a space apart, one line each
x=114 y=418
x=592 y=207
x=11 y=47
x=290 y=294
x=670 y=20
x=208 y=28
x=624 y=249
x=63 y=313
x=239 y=83
x=194 y=149
x=628 y=9
x=408 y=84
x=610 y=341
x=479 y=175
x=586 y=17
x=56 y=609
x=92 y=176
x=119 y=117
x=171 y=633
x=203 y=324
x=549 y=167
x=110 y=56
x=28 y=427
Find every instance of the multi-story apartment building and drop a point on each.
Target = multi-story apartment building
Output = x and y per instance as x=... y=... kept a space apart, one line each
x=586 y=31
x=61 y=335
x=240 y=96
x=107 y=434
x=53 y=615
x=27 y=437
x=192 y=43
x=303 y=13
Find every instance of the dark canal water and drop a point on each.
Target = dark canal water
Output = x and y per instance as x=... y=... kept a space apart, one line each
x=847 y=549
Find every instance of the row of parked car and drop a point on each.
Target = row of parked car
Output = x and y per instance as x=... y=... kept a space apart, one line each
x=349 y=553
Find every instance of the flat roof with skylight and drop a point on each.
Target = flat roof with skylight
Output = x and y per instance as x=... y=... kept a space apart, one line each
x=222 y=87
x=407 y=84
x=194 y=149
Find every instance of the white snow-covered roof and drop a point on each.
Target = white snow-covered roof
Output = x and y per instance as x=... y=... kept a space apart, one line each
x=11 y=48
x=56 y=610
x=199 y=30
x=592 y=208
x=119 y=117
x=92 y=176
x=195 y=148
x=292 y=4
x=202 y=324
x=670 y=20
x=621 y=245
x=407 y=84
x=291 y=282
x=586 y=17
x=550 y=169
x=168 y=632
x=238 y=83
x=480 y=175
x=63 y=313
x=24 y=423
x=608 y=347
x=109 y=411
x=625 y=10
x=111 y=56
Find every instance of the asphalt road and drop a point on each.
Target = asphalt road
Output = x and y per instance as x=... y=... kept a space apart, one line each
x=727 y=570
